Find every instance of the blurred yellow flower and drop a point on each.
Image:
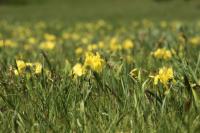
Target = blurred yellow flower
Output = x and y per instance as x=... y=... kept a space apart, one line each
x=163 y=24
x=32 y=40
x=195 y=40
x=162 y=54
x=8 y=43
x=79 y=51
x=95 y=62
x=128 y=44
x=48 y=45
x=49 y=37
x=114 y=45
x=101 y=44
x=92 y=47
x=85 y=40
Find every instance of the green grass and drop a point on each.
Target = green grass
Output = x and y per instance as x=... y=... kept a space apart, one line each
x=112 y=10
x=112 y=100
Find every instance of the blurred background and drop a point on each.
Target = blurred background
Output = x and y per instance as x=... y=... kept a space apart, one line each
x=71 y=10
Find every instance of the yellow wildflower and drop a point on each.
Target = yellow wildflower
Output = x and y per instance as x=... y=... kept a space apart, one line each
x=48 y=45
x=163 y=24
x=78 y=70
x=22 y=66
x=66 y=35
x=95 y=62
x=164 y=76
x=195 y=40
x=75 y=36
x=38 y=68
x=101 y=45
x=79 y=51
x=162 y=54
x=92 y=47
x=49 y=37
x=128 y=44
x=114 y=45
x=7 y=43
x=85 y=40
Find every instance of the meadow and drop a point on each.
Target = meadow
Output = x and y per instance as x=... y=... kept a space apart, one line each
x=92 y=73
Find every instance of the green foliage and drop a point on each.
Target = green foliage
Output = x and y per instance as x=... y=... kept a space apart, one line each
x=110 y=101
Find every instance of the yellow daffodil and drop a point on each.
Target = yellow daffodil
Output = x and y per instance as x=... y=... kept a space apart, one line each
x=101 y=45
x=8 y=43
x=92 y=47
x=48 y=45
x=49 y=37
x=22 y=66
x=79 y=51
x=78 y=70
x=162 y=54
x=114 y=45
x=38 y=68
x=164 y=76
x=95 y=62
x=195 y=40
x=127 y=44
x=32 y=40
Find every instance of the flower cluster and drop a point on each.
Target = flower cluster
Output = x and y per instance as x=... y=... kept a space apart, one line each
x=23 y=67
x=164 y=75
x=92 y=61
x=162 y=53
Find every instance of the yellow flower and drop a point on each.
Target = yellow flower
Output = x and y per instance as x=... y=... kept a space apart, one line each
x=16 y=72
x=195 y=40
x=101 y=45
x=128 y=44
x=162 y=54
x=92 y=47
x=78 y=70
x=164 y=76
x=79 y=51
x=49 y=37
x=48 y=45
x=85 y=40
x=163 y=24
x=66 y=35
x=95 y=62
x=38 y=68
x=22 y=66
x=32 y=40
x=7 y=43
x=114 y=45
x=75 y=36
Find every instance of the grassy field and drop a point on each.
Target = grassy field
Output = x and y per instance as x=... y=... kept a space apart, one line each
x=111 y=9
x=100 y=67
